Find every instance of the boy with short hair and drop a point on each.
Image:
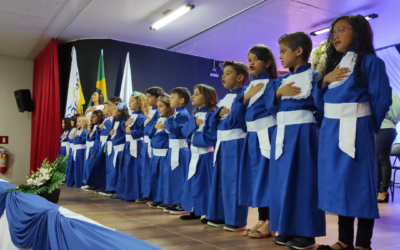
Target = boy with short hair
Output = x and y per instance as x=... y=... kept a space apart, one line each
x=224 y=210
x=152 y=94
x=293 y=176
x=178 y=155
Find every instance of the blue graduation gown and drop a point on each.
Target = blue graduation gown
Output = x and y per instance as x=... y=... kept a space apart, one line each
x=174 y=180
x=159 y=140
x=63 y=149
x=129 y=179
x=69 y=159
x=347 y=186
x=146 y=173
x=112 y=170
x=97 y=162
x=293 y=177
x=75 y=172
x=254 y=167
x=196 y=191
x=224 y=198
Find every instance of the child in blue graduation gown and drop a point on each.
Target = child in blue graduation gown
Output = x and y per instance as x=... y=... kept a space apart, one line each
x=293 y=169
x=129 y=177
x=71 y=144
x=196 y=192
x=66 y=127
x=254 y=166
x=152 y=94
x=90 y=141
x=159 y=143
x=96 y=157
x=75 y=172
x=104 y=131
x=120 y=114
x=355 y=97
x=224 y=209
x=178 y=153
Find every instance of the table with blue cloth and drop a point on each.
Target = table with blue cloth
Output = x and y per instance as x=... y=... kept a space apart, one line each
x=31 y=222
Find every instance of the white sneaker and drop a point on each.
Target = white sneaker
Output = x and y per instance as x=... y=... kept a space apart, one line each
x=106 y=194
x=86 y=186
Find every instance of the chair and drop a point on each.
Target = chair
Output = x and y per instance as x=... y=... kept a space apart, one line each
x=396 y=153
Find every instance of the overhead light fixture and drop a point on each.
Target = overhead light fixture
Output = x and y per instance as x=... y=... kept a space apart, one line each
x=318 y=32
x=172 y=16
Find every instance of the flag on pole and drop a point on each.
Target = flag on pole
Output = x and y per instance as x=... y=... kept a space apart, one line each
x=126 y=85
x=75 y=98
x=101 y=80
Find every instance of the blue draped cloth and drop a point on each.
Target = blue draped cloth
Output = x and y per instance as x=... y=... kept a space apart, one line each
x=36 y=223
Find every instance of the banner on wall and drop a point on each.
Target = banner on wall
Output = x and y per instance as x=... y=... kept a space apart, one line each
x=126 y=85
x=101 y=80
x=75 y=98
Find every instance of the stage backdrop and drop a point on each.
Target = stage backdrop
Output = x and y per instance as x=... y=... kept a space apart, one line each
x=150 y=67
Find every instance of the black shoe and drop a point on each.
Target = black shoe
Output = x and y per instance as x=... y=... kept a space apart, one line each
x=234 y=228
x=114 y=197
x=326 y=247
x=386 y=200
x=216 y=223
x=301 y=243
x=177 y=210
x=155 y=204
x=190 y=216
x=142 y=200
x=282 y=239
x=204 y=221
x=99 y=190
x=168 y=209
x=163 y=205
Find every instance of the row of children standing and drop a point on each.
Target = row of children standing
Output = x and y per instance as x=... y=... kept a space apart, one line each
x=293 y=146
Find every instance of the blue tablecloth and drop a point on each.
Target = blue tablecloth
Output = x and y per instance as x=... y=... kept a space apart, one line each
x=36 y=223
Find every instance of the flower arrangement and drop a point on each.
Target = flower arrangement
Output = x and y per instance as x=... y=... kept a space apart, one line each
x=318 y=57
x=46 y=179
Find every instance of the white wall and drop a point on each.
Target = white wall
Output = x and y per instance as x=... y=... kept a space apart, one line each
x=15 y=74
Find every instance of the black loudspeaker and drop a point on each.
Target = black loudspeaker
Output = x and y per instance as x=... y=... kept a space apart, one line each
x=24 y=100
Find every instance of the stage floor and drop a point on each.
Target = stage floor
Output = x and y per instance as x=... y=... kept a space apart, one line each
x=169 y=232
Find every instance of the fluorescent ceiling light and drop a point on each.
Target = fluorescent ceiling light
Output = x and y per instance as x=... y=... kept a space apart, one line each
x=172 y=16
x=318 y=32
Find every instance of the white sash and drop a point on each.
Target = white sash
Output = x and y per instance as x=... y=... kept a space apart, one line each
x=132 y=144
x=109 y=147
x=227 y=135
x=66 y=145
x=77 y=147
x=196 y=152
x=89 y=145
x=261 y=126
x=302 y=80
x=103 y=139
x=175 y=145
x=160 y=151
x=117 y=149
x=347 y=113
x=290 y=118
x=148 y=141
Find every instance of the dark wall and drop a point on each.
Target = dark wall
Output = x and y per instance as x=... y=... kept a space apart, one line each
x=149 y=66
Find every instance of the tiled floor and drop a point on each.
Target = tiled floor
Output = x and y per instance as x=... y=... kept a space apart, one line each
x=169 y=232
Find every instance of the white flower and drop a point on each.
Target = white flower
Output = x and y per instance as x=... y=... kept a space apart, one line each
x=46 y=177
x=29 y=181
x=34 y=182
x=323 y=49
x=314 y=59
x=43 y=170
x=318 y=68
x=324 y=56
x=322 y=61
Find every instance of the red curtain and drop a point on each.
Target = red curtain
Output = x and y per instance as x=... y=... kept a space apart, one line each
x=45 y=125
